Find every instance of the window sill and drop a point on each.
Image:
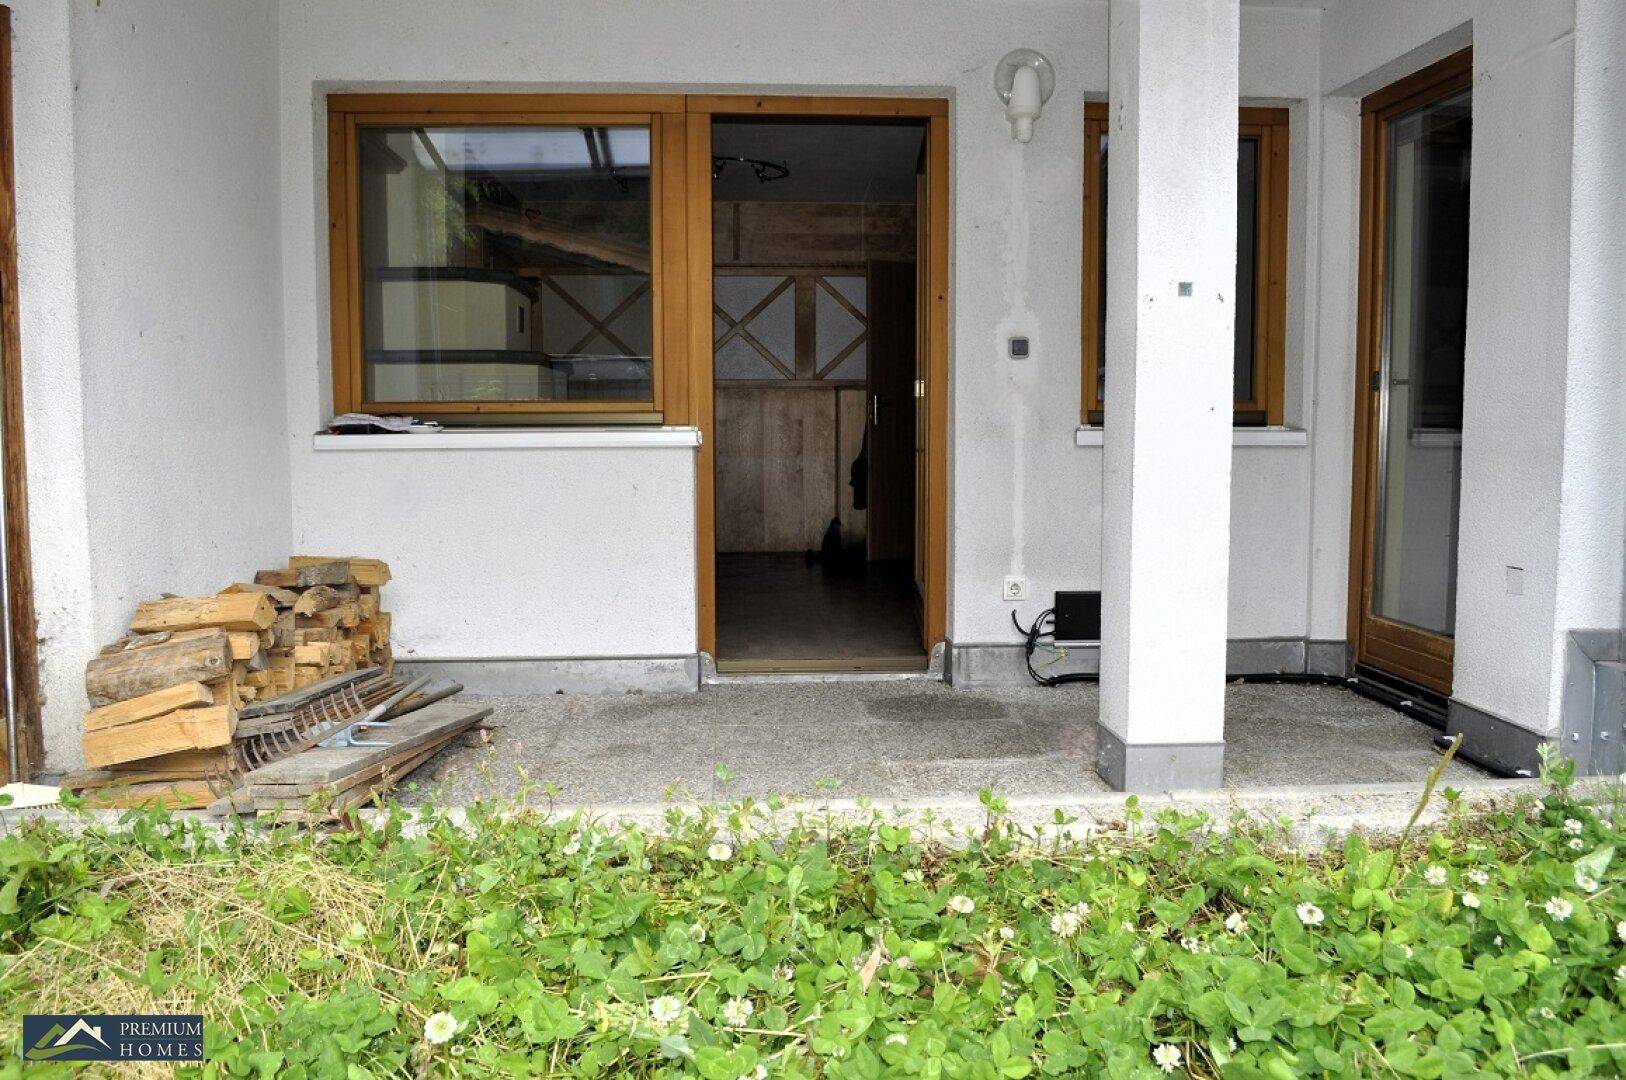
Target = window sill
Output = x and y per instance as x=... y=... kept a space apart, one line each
x=1243 y=436
x=543 y=438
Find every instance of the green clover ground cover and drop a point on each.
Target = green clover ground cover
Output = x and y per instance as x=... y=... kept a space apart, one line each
x=730 y=946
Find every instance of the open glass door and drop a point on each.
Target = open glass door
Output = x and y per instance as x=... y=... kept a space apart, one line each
x=1414 y=294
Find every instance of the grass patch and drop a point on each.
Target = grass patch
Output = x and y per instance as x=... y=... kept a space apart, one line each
x=740 y=942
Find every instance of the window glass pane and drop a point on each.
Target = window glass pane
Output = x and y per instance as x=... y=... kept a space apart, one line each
x=1247 y=249
x=1425 y=308
x=506 y=263
x=1247 y=253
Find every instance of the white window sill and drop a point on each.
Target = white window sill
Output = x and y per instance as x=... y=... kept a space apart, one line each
x=1242 y=436
x=550 y=438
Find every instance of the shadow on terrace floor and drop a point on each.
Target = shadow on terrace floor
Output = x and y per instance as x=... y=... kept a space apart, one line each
x=898 y=740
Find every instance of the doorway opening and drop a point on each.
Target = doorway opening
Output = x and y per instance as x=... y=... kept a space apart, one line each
x=1417 y=148
x=819 y=454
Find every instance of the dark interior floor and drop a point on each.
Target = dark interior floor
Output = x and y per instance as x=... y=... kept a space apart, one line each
x=773 y=607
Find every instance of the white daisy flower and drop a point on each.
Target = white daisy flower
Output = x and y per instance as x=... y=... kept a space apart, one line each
x=1576 y=844
x=1497 y=941
x=1065 y=923
x=1573 y=827
x=719 y=852
x=665 y=1009
x=962 y=905
x=1230 y=1044
x=1620 y=929
x=1560 y=908
x=1620 y=973
x=1310 y=915
x=1470 y=900
x=1236 y=922
x=1586 y=883
x=1006 y=933
x=1190 y=944
x=698 y=933
x=1434 y=875
x=737 y=1011
x=1478 y=877
x=1547 y=1014
x=1407 y=950
x=1166 y=1056
x=439 y=1028
x=784 y=972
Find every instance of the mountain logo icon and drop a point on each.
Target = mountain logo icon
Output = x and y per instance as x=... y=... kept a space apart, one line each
x=57 y=1041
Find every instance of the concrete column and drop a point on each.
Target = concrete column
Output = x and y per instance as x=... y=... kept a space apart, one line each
x=1171 y=273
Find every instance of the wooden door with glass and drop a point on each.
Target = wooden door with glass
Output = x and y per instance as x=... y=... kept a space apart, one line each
x=1416 y=153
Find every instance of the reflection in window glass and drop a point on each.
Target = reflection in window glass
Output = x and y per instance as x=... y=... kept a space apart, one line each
x=506 y=263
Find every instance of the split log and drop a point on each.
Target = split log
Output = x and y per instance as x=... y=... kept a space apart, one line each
x=331 y=572
x=229 y=611
x=147 y=706
x=133 y=672
x=186 y=729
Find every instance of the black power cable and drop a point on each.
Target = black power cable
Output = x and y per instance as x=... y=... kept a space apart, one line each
x=1032 y=636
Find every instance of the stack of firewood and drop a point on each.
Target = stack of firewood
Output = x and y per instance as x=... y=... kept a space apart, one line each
x=164 y=698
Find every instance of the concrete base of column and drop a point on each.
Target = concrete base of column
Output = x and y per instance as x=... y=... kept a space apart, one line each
x=1158 y=766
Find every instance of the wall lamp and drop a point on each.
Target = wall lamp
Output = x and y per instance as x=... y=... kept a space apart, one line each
x=1024 y=80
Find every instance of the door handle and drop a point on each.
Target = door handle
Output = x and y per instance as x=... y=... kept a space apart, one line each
x=875 y=410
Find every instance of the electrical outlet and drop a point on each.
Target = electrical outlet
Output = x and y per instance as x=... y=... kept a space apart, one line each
x=1016 y=588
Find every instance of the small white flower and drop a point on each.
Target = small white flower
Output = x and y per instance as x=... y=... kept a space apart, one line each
x=665 y=1009
x=784 y=972
x=1006 y=933
x=1478 y=877
x=903 y=963
x=719 y=852
x=897 y=1038
x=1546 y=1013
x=1236 y=922
x=758 y=1073
x=1310 y=915
x=1560 y=908
x=1573 y=827
x=1497 y=941
x=1576 y=844
x=1129 y=927
x=1066 y=923
x=1230 y=1044
x=1434 y=875
x=737 y=1011
x=573 y=845
x=1586 y=883
x=1166 y=1056
x=439 y=1027
x=962 y=905
x=1620 y=973
x=1470 y=900
x=1407 y=950
x=1190 y=944
x=914 y=875
x=1620 y=929
x=698 y=933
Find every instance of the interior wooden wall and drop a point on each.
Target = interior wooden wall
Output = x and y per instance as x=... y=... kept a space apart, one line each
x=784 y=454
x=810 y=234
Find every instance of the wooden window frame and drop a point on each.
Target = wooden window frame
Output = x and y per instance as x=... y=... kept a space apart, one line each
x=1270 y=127
x=663 y=114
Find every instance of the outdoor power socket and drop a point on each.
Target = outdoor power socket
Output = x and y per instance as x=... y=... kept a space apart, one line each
x=1016 y=588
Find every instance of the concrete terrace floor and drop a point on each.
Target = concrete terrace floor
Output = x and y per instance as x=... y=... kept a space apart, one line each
x=896 y=740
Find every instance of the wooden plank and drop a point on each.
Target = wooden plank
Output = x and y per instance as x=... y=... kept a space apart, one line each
x=309 y=771
x=282 y=579
x=175 y=794
x=185 y=729
x=184 y=696
x=229 y=611
x=20 y=622
x=132 y=672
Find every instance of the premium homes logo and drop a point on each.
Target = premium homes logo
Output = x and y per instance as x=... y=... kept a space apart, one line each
x=113 y=1038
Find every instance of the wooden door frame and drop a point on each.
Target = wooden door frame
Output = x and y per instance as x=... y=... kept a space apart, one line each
x=1412 y=654
x=22 y=688
x=700 y=404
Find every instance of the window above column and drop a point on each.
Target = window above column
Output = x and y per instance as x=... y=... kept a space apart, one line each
x=1261 y=288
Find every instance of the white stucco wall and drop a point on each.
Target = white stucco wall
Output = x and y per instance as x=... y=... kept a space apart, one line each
x=1518 y=315
x=152 y=314
x=1024 y=499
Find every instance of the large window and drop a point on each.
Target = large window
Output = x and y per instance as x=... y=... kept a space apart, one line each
x=1261 y=264
x=495 y=258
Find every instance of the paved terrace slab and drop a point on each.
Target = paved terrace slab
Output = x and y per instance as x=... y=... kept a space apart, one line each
x=901 y=742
